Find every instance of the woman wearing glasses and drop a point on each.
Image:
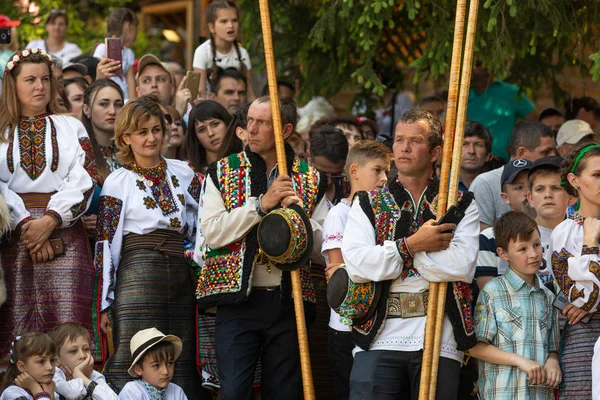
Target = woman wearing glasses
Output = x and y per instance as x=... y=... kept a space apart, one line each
x=56 y=43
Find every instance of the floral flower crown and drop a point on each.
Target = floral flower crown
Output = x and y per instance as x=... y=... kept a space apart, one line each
x=23 y=54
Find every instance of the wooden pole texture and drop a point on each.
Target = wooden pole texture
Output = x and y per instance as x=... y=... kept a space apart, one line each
x=465 y=83
x=307 y=380
x=430 y=327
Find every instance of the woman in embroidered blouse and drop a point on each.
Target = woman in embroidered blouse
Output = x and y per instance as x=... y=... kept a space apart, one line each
x=101 y=102
x=45 y=184
x=576 y=265
x=146 y=208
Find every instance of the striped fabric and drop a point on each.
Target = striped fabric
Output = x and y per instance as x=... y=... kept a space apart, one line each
x=154 y=289
x=42 y=295
x=576 y=359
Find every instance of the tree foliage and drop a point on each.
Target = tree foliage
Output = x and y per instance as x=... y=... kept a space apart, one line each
x=369 y=43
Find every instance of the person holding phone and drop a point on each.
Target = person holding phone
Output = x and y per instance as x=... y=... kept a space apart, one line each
x=47 y=189
x=576 y=265
x=116 y=60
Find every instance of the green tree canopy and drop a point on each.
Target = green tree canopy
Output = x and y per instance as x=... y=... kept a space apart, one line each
x=367 y=43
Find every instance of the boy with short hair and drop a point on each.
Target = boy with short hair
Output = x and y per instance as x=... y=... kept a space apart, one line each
x=513 y=191
x=75 y=377
x=154 y=355
x=550 y=201
x=515 y=323
x=367 y=166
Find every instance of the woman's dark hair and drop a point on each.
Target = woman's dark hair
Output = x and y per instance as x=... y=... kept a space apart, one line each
x=211 y=18
x=568 y=165
x=57 y=13
x=329 y=142
x=116 y=19
x=82 y=83
x=29 y=345
x=232 y=143
x=196 y=153
x=88 y=99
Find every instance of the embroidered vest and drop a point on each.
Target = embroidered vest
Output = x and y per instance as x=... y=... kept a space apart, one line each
x=226 y=275
x=392 y=214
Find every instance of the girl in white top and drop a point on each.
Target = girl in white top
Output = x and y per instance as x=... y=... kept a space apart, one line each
x=122 y=23
x=56 y=43
x=32 y=364
x=222 y=49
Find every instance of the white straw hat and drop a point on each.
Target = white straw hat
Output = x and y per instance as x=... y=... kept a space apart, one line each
x=145 y=339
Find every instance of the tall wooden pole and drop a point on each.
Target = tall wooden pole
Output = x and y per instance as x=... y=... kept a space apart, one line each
x=434 y=287
x=307 y=379
x=465 y=83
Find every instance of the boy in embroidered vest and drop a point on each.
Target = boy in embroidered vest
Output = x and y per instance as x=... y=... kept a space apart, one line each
x=367 y=166
x=515 y=323
x=391 y=237
x=75 y=377
x=254 y=317
x=513 y=190
x=154 y=355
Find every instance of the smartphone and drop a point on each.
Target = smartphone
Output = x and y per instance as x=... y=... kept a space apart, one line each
x=5 y=36
x=58 y=246
x=561 y=301
x=114 y=51
x=453 y=216
x=192 y=83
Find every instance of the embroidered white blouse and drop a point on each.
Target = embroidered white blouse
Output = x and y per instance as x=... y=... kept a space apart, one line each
x=135 y=390
x=45 y=156
x=333 y=233
x=367 y=261
x=576 y=267
x=15 y=392
x=130 y=205
x=75 y=390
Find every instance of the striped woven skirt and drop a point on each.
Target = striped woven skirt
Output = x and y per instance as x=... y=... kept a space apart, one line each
x=154 y=289
x=576 y=359
x=45 y=294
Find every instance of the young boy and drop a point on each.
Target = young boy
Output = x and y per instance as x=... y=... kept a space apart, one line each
x=514 y=192
x=75 y=377
x=367 y=166
x=550 y=201
x=515 y=323
x=154 y=355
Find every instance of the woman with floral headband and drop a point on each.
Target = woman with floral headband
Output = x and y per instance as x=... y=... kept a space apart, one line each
x=146 y=209
x=576 y=265
x=51 y=278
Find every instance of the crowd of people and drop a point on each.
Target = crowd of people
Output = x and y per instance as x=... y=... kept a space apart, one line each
x=138 y=221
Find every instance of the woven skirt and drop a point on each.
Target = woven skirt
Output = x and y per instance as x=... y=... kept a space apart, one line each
x=154 y=289
x=43 y=295
x=576 y=359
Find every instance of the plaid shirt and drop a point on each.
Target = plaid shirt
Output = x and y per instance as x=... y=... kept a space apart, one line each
x=520 y=319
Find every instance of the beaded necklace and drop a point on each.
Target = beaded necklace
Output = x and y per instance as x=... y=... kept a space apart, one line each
x=153 y=176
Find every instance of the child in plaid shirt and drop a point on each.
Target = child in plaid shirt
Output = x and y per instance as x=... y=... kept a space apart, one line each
x=515 y=323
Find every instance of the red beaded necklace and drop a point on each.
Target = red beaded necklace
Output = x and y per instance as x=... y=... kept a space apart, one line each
x=151 y=176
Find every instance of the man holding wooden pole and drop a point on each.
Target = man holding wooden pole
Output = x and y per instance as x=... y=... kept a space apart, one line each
x=392 y=237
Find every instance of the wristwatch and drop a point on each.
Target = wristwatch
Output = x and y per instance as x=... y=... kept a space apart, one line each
x=259 y=208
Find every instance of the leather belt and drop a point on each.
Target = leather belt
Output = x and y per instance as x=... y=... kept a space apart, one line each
x=266 y=288
x=407 y=305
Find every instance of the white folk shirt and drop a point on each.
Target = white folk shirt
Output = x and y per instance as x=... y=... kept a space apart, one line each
x=74 y=389
x=129 y=206
x=15 y=392
x=333 y=233
x=69 y=50
x=60 y=168
x=366 y=261
x=221 y=228
x=577 y=274
x=135 y=390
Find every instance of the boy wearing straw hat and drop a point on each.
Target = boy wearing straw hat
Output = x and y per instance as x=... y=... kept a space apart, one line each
x=251 y=290
x=154 y=355
x=392 y=239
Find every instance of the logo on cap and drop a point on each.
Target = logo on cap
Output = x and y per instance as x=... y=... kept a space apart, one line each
x=519 y=163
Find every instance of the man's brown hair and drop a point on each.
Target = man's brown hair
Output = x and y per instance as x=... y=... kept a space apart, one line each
x=364 y=151
x=513 y=226
x=68 y=331
x=542 y=172
x=414 y=116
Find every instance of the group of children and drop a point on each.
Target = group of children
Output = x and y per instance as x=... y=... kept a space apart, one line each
x=59 y=365
x=516 y=322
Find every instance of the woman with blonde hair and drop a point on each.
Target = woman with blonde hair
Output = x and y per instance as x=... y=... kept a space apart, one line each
x=146 y=209
x=43 y=180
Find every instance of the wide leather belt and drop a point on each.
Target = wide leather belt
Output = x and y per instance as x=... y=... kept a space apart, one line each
x=407 y=305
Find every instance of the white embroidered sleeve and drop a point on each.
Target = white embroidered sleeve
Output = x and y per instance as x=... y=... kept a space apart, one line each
x=16 y=208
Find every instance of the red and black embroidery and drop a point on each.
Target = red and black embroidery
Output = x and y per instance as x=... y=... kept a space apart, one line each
x=175 y=222
x=150 y=203
x=175 y=181
x=194 y=188
x=90 y=161
x=54 y=215
x=53 y=140
x=10 y=158
x=81 y=207
x=109 y=214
